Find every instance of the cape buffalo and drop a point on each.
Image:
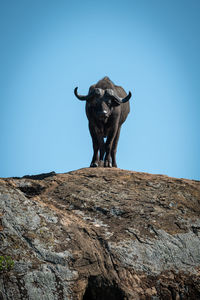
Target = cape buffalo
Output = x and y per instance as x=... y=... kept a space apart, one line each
x=107 y=107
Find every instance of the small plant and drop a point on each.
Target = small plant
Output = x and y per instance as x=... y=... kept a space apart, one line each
x=6 y=263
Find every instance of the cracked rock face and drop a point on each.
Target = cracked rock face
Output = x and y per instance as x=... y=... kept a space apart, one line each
x=98 y=234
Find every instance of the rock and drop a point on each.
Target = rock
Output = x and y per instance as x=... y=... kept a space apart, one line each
x=99 y=233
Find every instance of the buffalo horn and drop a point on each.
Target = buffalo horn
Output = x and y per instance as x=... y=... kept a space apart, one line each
x=98 y=92
x=127 y=98
x=115 y=97
x=81 y=97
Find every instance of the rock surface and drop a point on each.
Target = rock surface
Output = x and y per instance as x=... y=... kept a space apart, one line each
x=100 y=234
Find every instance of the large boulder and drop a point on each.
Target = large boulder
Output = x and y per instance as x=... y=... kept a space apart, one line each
x=99 y=234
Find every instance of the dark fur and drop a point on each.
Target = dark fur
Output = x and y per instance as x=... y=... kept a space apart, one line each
x=106 y=126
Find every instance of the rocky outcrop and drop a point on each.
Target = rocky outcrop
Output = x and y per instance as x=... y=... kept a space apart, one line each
x=99 y=234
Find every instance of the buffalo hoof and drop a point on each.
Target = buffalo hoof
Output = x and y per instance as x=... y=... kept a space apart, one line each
x=94 y=165
x=101 y=163
x=107 y=164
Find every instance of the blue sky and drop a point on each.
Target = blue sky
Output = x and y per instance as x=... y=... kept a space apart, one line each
x=150 y=47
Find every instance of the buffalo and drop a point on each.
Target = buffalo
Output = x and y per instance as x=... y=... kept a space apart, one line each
x=107 y=107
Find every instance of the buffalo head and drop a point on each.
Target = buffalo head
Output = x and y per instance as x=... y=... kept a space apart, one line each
x=102 y=102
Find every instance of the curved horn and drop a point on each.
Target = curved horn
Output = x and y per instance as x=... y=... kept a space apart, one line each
x=98 y=92
x=81 y=97
x=126 y=99
x=115 y=97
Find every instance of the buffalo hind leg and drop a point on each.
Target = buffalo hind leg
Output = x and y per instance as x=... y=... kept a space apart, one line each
x=114 y=148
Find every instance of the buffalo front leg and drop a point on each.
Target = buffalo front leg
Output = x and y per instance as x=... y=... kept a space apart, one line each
x=109 y=143
x=114 y=148
x=102 y=151
x=95 y=143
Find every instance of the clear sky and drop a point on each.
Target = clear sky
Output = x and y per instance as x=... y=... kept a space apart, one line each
x=150 y=47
